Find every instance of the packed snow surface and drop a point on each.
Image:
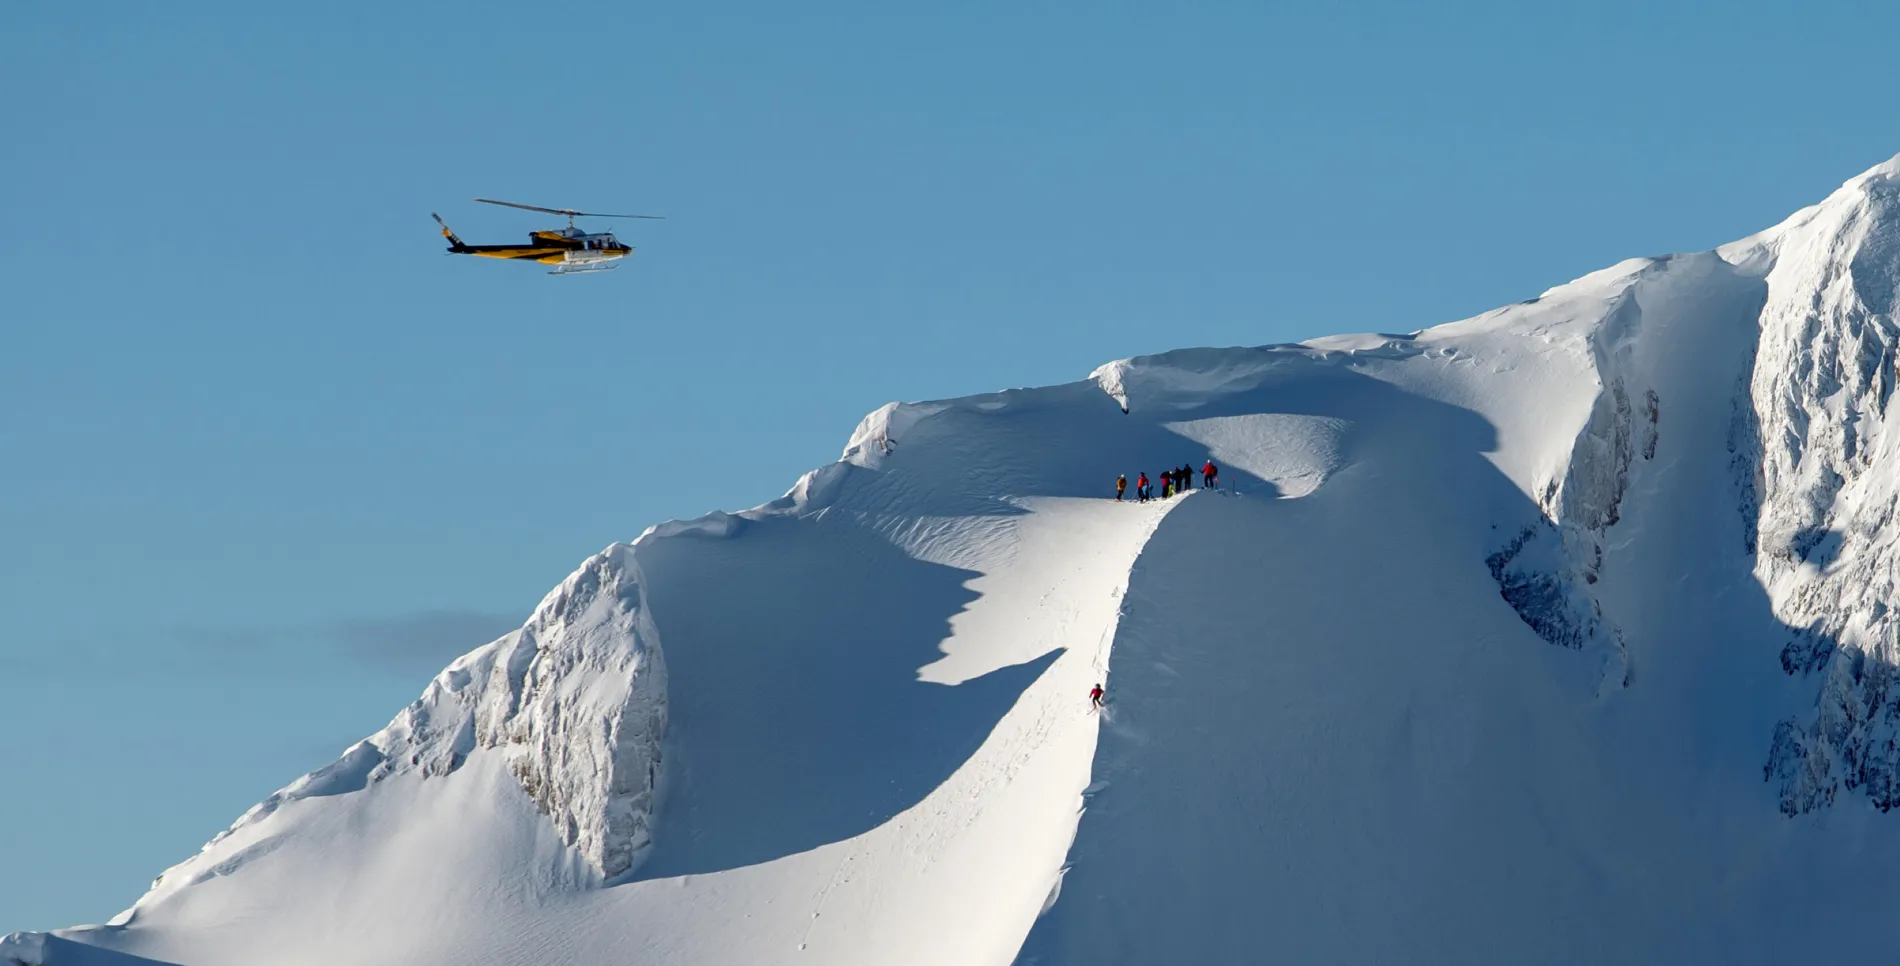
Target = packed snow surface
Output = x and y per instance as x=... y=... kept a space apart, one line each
x=1566 y=633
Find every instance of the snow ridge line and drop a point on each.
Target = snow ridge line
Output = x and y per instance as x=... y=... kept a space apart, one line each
x=1100 y=663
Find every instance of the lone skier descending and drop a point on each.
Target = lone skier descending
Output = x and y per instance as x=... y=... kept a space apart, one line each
x=1095 y=696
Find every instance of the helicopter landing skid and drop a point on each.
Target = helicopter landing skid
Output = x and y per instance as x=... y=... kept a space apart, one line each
x=582 y=268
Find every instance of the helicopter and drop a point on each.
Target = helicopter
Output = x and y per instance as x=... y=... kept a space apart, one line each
x=570 y=250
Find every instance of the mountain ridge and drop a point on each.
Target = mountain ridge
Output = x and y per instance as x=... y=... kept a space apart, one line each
x=1665 y=475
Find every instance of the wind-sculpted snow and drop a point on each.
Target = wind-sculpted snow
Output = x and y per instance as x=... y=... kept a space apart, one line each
x=1337 y=728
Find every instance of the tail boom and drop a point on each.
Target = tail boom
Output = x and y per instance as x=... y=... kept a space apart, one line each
x=455 y=244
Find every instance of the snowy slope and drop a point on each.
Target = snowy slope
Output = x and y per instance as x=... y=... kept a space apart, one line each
x=1560 y=634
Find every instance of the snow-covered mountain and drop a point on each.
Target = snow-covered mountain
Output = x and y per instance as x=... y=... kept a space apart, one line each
x=1566 y=633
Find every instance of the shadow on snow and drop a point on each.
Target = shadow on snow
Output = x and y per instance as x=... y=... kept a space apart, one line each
x=796 y=718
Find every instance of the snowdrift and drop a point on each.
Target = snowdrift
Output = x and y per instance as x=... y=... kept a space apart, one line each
x=1560 y=634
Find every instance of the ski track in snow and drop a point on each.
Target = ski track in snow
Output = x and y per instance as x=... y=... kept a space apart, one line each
x=1560 y=634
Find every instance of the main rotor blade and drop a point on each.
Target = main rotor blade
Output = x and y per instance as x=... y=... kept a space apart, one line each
x=510 y=204
x=569 y=212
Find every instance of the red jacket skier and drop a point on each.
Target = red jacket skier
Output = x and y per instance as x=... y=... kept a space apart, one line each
x=1095 y=696
x=1209 y=474
x=1141 y=488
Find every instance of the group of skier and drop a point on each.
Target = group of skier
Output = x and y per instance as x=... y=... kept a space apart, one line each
x=1177 y=480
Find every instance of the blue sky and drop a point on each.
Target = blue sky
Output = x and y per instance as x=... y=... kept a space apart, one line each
x=271 y=458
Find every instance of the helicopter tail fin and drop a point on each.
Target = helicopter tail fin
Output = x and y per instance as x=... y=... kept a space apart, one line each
x=455 y=244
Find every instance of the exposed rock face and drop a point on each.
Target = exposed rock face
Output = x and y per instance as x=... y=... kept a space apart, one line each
x=1816 y=454
x=1815 y=482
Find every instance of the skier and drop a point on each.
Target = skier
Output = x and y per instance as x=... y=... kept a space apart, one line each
x=1167 y=484
x=1121 y=486
x=1095 y=696
x=1141 y=488
x=1210 y=475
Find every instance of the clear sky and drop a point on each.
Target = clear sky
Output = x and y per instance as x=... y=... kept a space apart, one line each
x=269 y=458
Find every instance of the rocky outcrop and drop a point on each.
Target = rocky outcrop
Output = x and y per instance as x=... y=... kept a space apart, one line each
x=582 y=711
x=1549 y=567
x=576 y=699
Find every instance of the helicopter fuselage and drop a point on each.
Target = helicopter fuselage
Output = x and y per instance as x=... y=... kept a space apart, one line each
x=569 y=249
x=558 y=245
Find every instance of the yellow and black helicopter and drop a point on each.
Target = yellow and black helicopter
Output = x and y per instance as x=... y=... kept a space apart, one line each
x=570 y=250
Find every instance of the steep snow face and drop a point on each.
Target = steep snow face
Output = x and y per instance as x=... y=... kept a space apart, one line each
x=1823 y=480
x=1476 y=655
x=1661 y=310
